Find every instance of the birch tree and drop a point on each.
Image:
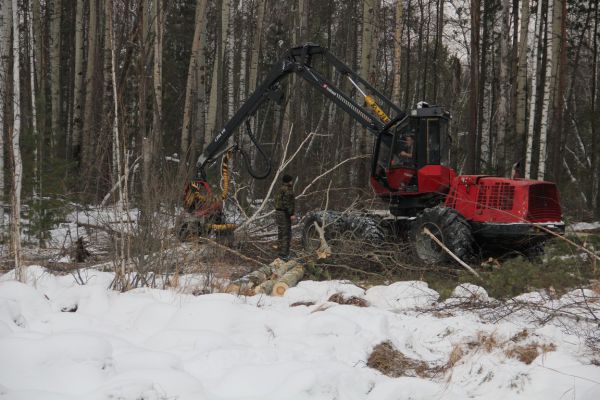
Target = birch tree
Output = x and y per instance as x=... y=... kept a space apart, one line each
x=157 y=75
x=15 y=149
x=521 y=89
x=367 y=68
x=532 y=101
x=503 y=102
x=397 y=52
x=5 y=44
x=230 y=68
x=215 y=101
x=256 y=45
x=192 y=76
x=551 y=69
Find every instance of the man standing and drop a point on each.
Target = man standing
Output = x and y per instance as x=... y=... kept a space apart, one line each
x=284 y=214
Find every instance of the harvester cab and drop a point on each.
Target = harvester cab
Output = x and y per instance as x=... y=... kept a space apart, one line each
x=410 y=160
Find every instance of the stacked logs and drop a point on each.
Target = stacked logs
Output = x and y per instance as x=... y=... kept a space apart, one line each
x=273 y=279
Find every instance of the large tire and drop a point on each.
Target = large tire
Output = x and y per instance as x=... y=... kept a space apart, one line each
x=450 y=227
x=341 y=228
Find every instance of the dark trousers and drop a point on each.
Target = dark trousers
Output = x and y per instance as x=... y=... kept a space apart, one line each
x=284 y=232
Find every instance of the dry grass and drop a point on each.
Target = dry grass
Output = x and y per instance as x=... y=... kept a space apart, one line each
x=529 y=352
x=353 y=300
x=455 y=356
x=520 y=336
x=483 y=342
x=386 y=359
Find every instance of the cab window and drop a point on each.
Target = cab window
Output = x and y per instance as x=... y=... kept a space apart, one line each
x=404 y=151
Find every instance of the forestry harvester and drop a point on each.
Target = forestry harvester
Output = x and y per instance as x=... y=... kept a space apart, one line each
x=409 y=170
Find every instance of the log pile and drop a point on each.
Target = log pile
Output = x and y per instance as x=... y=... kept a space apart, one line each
x=273 y=279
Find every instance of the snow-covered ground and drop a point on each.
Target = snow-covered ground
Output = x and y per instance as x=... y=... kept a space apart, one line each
x=61 y=340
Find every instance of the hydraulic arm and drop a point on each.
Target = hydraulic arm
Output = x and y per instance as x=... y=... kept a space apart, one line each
x=298 y=61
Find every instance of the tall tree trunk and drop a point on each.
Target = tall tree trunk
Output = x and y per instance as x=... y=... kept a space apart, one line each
x=438 y=44
x=39 y=45
x=88 y=143
x=595 y=117
x=55 y=19
x=367 y=63
x=256 y=45
x=521 y=94
x=485 y=87
x=243 y=52
x=143 y=39
x=216 y=97
x=550 y=71
x=504 y=100
x=157 y=75
x=78 y=82
x=5 y=45
x=229 y=65
x=200 y=137
x=397 y=52
x=108 y=99
x=532 y=104
x=37 y=143
x=191 y=78
x=15 y=149
x=559 y=85
x=471 y=164
x=408 y=56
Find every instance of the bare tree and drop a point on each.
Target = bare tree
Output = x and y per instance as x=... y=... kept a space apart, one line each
x=503 y=101
x=192 y=77
x=532 y=104
x=5 y=45
x=548 y=83
x=55 y=57
x=472 y=151
x=78 y=78
x=15 y=149
x=521 y=89
x=88 y=139
x=397 y=52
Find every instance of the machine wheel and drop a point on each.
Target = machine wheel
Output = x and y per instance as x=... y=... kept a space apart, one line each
x=341 y=228
x=310 y=235
x=450 y=227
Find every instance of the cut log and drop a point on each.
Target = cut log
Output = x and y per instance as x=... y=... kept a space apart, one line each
x=264 y=279
x=260 y=275
x=280 y=267
x=265 y=288
x=289 y=279
x=240 y=287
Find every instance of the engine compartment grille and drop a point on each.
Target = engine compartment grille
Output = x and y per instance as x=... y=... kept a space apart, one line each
x=544 y=205
x=499 y=196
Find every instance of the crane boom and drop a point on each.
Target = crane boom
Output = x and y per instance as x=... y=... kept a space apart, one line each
x=298 y=60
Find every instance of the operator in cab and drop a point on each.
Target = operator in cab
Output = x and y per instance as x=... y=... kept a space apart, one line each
x=403 y=156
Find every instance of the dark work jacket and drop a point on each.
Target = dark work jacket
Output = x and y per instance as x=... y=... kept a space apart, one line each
x=285 y=199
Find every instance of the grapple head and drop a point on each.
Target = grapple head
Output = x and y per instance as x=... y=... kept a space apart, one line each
x=199 y=199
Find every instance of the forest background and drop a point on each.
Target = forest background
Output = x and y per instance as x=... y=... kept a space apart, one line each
x=112 y=101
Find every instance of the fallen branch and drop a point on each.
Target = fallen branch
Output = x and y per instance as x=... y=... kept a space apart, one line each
x=230 y=250
x=447 y=250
